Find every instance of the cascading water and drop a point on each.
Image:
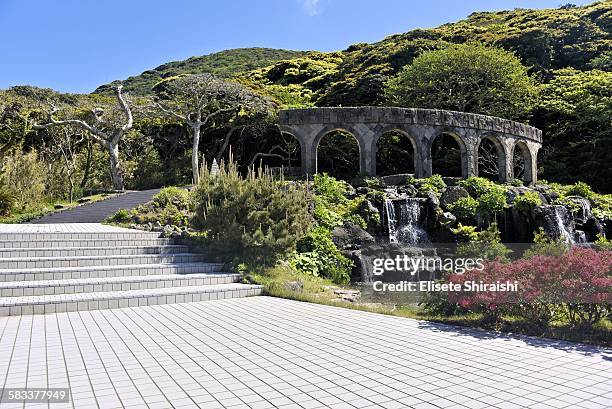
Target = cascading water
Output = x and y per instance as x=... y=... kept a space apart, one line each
x=564 y=228
x=404 y=221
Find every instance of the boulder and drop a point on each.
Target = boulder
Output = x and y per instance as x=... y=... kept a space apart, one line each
x=592 y=228
x=351 y=236
x=451 y=194
x=397 y=180
x=584 y=209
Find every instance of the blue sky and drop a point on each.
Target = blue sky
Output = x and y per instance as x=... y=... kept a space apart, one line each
x=76 y=45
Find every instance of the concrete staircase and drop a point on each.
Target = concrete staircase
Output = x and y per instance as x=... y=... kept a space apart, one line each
x=50 y=272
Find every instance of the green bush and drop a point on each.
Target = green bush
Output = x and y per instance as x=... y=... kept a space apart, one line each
x=331 y=206
x=24 y=176
x=477 y=186
x=526 y=202
x=433 y=184
x=464 y=208
x=465 y=234
x=545 y=246
x=7 y=201
x=180 y=198
x=256 y=218
x=491 y=197
x=121 y=216
x=487 y=246
x=580 y=189
x=317 y=255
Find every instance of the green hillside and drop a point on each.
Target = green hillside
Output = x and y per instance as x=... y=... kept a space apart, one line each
x=224 y=64
x=544 y=40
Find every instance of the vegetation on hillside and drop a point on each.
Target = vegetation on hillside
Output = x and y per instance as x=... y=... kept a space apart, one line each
x=223 y=64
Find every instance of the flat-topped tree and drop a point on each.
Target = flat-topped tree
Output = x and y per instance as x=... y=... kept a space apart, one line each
x=199 y=100
x=105 y=126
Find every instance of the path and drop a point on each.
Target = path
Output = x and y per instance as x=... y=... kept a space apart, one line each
x=97 y=212
x=264 y=352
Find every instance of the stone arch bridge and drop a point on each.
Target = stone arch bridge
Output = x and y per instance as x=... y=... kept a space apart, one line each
x=422 y=127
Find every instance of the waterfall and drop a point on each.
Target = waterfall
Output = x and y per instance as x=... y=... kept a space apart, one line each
x=565 y=232
x=404 y=221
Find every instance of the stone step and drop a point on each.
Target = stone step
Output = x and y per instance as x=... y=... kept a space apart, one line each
x=12 y=244
x=91 y=285
x=49 y=304
x=84 y=261
x=54 y=236
x=89 y=251
x=122 y=270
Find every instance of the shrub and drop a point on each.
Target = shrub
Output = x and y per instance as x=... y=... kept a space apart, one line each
x=256 y=218
x=487 y=246
x=545 y=246
x=433 y=184
x=517 y=182
x=331 y=207
x=465 y=233
x=318 y=256
x=577 y=284
x=477 y=186
x=580 y=189
x=180 y=198
x=7 y=201
x=24 y=176
x=492 y=203
x=464 y=208
x=120 y=216
x=526 y=202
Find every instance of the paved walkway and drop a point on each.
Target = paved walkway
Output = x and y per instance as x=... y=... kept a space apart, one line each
x=265 y=352
x=97 y=212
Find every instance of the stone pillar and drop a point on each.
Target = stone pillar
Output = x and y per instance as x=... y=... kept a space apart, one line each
x=531 y=166
x=506 y=166
x=469 y=158
x=367 y=152
x=309 y=156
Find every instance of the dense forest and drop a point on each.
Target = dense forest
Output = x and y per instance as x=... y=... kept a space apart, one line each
x=565 y=54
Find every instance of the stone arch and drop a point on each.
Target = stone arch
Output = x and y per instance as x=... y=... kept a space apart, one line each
x=502 y=171
x=413 y=142
x=463 y=151
x=524 y=152
x=330 y=130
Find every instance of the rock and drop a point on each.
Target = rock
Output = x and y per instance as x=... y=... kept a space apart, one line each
x=451 y=194
x=362 y=190
x=447 y=219
x=83 y=200
x=351 y=236
x=592 y=228
x=348 y=295
x=408 y=190
x=295 y=286
x=59 y=206
x=584 y=209
x=400 y=179
x=556 y=221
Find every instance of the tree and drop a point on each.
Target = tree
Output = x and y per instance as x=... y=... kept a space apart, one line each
x=574 y=114
x=468 y=78
x=198 y=100
x=108 y=129
x=65 y=142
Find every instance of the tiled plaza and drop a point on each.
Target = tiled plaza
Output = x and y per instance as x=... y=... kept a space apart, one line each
x=264 y=352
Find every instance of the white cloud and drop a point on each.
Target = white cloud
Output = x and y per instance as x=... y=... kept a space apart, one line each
x=311 y=7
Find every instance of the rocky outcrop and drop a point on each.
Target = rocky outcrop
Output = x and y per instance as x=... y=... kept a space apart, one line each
x=451 y=194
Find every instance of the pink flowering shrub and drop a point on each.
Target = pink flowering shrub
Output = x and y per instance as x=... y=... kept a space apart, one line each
x=577 y=284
